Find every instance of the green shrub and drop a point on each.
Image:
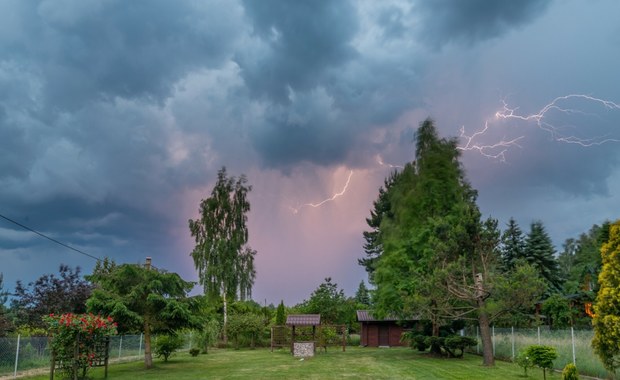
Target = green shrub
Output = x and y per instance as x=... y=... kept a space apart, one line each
x=166 y=345
x=570 y=372
x=524 y=361
x=455 y=345
x=542 y=356
x=194 y=351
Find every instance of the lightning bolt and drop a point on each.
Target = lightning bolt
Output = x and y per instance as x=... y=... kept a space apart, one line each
x=540 y=119
x=332 y=198
x=380 y=162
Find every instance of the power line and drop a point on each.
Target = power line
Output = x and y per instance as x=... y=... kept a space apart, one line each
x=49 y=238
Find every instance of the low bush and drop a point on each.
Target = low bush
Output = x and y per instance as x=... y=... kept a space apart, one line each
x=195 y=351
x=570 y=372
x=166 y=345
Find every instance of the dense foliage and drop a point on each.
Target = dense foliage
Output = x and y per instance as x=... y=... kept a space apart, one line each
x=50 y=294
x=606 y=321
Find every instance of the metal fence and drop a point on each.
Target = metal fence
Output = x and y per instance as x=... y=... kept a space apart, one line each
x=573 y=346
x=20 y=354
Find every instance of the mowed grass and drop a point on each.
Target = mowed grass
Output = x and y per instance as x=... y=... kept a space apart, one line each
x=355 y=363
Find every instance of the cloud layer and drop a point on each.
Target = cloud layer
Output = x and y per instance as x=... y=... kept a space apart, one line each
x=115 y=116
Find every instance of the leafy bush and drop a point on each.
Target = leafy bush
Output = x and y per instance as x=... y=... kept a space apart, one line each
x=570 y=372
x=455 y=345
x=524 y=361
x=415 y=340
x=542 y=356
x=194 y=351
x=166 y=345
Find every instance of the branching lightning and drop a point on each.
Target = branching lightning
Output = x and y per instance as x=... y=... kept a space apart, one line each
x=540 y=119
x=332 y=198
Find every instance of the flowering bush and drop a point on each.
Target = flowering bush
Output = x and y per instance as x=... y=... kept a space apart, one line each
x=79 y=340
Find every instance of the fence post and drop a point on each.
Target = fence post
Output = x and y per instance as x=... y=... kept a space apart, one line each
x=140 y=346
x=572 y=336
x=16 y=357
x=512 y=329
x=539 y=335
x=493 y=332
x=190 y=341
x=477 y=340
x=120 y=346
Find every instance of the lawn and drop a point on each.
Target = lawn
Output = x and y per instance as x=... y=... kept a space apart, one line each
x=355 y=363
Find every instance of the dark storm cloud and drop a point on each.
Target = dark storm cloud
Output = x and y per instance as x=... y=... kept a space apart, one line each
x=302 y=40
x=93 y=50
x=445 y=21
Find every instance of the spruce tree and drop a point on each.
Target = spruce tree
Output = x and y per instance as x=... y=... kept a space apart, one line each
x=540 y=253
x=606 y=320
x=512 y=245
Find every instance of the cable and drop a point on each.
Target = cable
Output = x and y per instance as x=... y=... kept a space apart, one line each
x=49 y=238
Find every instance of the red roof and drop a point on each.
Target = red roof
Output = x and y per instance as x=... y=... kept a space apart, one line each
x=303 y=319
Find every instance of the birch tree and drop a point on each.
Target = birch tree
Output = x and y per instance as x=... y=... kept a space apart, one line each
x=224 y=262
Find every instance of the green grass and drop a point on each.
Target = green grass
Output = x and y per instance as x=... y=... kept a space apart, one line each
x=355 y=363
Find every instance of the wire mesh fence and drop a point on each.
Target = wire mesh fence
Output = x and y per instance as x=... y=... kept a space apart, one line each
x=573 y=346
x=19 y=354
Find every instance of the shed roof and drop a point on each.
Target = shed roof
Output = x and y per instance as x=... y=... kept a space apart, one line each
x=303 y=319
x=366 y=316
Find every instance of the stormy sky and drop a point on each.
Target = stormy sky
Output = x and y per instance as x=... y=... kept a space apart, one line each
x=115 y=117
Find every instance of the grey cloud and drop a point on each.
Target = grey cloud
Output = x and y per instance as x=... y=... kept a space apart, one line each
x=445 y=21
x=302 y=39
x=90 y=51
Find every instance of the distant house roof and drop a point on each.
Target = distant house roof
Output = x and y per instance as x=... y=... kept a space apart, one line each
x=303 y=319
x=366 y=316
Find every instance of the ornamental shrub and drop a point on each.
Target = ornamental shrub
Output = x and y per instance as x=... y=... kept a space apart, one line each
x=542 y=356
x=166 y=345
x=570 y=372
x=78 y=341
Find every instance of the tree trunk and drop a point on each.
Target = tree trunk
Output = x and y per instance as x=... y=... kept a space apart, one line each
x=485 y=335
x=435 y=348
x=148 y=358
x=224 y=334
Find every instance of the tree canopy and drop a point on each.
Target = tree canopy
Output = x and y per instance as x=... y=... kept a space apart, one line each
x=144 y=299
x=65 y=293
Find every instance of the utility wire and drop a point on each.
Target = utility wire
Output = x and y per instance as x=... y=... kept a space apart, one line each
x=49 y=238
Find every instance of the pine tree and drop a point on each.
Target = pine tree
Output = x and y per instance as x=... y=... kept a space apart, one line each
x=540 y=253
x=512 y=246
x=606 y=321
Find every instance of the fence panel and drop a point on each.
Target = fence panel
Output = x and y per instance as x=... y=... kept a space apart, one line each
x=569 y=344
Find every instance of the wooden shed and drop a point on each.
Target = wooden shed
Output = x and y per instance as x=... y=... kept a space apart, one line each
x=384 y=332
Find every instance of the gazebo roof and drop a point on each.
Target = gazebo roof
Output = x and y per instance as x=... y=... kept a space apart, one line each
x=303 y=319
